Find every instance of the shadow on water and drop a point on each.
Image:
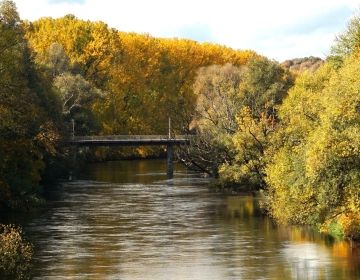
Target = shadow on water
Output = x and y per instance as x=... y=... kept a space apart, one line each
x=121 y=220
x=131 y=171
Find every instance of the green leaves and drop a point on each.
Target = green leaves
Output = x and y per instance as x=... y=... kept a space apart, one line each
x=237 y=110
x=28 y=115
x=317 y=162
x=8 y=14
x=78 y=97
x=347 y=43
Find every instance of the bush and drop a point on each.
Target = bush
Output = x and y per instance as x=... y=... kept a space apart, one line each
x=15 y=253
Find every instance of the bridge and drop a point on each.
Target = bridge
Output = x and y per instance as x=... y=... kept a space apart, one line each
x=135 y=140
x=129 y=140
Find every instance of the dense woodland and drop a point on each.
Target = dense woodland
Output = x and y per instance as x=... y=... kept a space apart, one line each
x=290 y=131
x=56 y=70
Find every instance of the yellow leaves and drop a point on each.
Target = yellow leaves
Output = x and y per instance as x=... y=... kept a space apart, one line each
x=345 y=218
x=314 y=173
x=344 y=91
x=352 y=198
x=15 y=253
x=91 y=45
x=47 y=137
x=131 y=66
x=350 y=223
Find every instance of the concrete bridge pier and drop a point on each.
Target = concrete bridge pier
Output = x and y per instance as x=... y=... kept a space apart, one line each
x=169 y=161
x=73 y=163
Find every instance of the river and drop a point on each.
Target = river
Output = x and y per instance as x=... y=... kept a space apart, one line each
x=125 y=220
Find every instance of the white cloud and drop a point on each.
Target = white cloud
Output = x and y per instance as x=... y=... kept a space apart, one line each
x=239 y=24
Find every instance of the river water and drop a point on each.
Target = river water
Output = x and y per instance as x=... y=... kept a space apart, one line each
x=125 y=220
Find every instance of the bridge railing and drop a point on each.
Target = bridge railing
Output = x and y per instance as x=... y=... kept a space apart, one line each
x=130 y=137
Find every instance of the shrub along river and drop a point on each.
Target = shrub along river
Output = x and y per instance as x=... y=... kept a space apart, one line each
x=125 y=220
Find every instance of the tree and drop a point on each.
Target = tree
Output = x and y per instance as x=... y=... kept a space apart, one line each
x=333 y=154
x=300 y=65
x=264 y=85
x=313 y=176
x=249 y=144
x=140 y=74
x=78 y=96
x=18 y=117
x=236 y=113
x=15 y=254
x=57 y=60
x=92 y=47
x=347 y=42
x=289 y=201
x=28 y=131
x=217 y=88
x=8 y=14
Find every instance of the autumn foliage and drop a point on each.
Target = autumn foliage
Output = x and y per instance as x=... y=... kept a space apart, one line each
x=15 y=254
x=294 y=134
x=145 y=79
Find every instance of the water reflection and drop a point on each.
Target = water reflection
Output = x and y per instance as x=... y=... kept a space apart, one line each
x=131 y=171
x=287 y=252
x=127 y=221
x=307 y=261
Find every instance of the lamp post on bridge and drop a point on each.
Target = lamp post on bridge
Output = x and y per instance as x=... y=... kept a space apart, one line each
x=169 y=127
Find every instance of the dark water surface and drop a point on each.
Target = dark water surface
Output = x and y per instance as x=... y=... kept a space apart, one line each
x=125 y=220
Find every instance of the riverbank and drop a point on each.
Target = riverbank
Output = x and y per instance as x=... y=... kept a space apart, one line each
x=334 y=230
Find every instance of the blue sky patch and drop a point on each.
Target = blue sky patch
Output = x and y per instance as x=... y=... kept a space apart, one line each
x=199 y=32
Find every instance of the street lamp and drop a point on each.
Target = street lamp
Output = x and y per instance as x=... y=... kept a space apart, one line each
x=169 y=128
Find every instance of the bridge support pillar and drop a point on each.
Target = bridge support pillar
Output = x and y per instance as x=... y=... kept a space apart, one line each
x=73 y=163
x=169 y=161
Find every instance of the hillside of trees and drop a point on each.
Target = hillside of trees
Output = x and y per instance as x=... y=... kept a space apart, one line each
x=290 y=131
x=108 y=82
x=300 y=65
x=143 y=79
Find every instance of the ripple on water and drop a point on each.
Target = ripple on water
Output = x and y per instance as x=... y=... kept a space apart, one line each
x=148 y=227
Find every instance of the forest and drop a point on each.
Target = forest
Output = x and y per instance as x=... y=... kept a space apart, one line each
x=289 y=131
x=57 y=70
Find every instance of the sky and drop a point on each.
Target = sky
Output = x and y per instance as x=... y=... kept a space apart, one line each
x=278 y=29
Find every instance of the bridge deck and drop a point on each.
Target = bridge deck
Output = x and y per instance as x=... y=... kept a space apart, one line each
x=129 y=140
